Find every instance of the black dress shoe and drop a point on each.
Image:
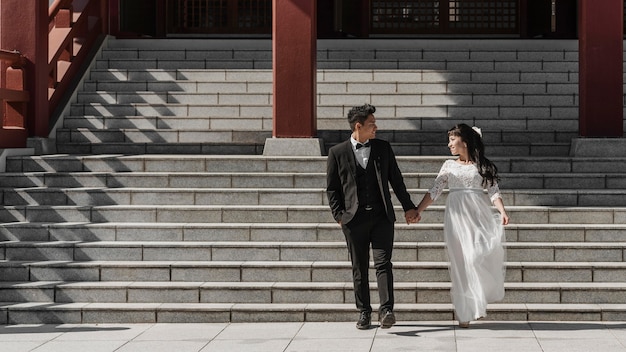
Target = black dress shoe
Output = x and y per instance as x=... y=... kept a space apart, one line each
x=387 y=319
x=365 y=320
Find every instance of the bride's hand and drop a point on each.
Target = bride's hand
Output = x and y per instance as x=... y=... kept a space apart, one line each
x=505 y=219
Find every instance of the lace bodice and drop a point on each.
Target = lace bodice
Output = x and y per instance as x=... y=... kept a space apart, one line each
x=454 y=175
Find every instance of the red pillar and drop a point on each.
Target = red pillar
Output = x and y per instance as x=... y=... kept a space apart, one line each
x=294 y=46
x=31 y=17
x=600 y=68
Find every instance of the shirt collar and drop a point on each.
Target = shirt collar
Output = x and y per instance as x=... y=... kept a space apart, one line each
x=355 y=142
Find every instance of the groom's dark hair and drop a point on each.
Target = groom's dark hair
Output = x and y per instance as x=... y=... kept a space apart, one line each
x=360 y=114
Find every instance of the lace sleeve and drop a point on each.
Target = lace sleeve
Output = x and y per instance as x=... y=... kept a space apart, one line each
x=441 y=181
x=494 y=192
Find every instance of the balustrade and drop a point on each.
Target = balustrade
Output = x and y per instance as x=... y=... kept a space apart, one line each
x=74 y=26
x=13 y=99
x=54 y=49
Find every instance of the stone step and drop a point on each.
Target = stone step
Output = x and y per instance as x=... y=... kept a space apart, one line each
x=476 y=55
x=289 y=251
x=258 y=130
x=330 y=77
x=536 y=126
x=155 y=136
x=266 y=196
x=282 y=214
x=438 y=136
x=180 y=110
x=528 y=149
x=242 y=144
x=221 y=128
x=295 y=271
x=292 y=292
x=329 y=93
x=174 y=97
x=152 y=313
x=159 y=196
x=60 y=163
x=198 y=64
x=162 y=148
x=155 y=129
x=299 y=271
x=203 y=164
x=387 y=113
x=402 y=63
x=256 y=148
x=195 y=141
x=118 y=88
x=417 y=50
x=277 y=182
x=293 y=232
x=180 y=74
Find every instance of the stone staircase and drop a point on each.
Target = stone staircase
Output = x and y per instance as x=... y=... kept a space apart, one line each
x=214 y=97
x=158 y=206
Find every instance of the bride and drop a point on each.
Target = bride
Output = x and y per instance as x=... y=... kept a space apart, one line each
x=473 y=233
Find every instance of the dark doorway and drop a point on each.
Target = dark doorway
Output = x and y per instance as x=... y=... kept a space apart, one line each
x=351 y=18
x=138 y=18
x=539 y=18
x=565 y=19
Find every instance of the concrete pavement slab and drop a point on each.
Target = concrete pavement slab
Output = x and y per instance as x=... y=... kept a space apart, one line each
x=247 y=345
x=101 y=332
x=439 y=336
x=182 y=332
x=162 y=346
x=19 y=346
x=81 y=345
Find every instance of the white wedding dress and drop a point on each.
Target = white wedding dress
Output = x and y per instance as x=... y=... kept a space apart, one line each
x=474 y=237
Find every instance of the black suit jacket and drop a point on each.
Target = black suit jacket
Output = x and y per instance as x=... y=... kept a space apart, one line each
x=341 y=187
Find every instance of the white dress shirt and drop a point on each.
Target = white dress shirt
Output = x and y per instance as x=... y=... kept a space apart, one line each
x=362 y=154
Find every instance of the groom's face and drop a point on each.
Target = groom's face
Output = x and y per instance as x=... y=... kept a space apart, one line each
x=368 y=129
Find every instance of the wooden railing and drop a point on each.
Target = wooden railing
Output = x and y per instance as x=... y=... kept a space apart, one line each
x=13 y=99
x=55 y=49
x=74 y=26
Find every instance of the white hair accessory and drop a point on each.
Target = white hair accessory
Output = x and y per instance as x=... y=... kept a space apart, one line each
x=478 y=130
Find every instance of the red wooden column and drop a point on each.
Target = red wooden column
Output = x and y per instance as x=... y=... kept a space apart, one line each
x=600 y=68
x=31 y=18
x=294 y=46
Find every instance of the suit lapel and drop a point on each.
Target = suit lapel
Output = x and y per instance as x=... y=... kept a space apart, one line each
x=351 y=158
x=375 y=159
x=373 y=152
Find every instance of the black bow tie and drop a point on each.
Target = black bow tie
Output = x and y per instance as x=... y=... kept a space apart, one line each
x=365 y=145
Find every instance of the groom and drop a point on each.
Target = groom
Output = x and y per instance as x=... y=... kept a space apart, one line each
x=359 y=172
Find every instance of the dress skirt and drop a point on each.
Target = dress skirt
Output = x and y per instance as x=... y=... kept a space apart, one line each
x=474 y=237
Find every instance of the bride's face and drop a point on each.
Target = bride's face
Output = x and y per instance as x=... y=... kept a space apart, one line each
x=456 y=145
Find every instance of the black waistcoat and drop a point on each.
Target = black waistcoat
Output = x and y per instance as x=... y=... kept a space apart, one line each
x=367 y=186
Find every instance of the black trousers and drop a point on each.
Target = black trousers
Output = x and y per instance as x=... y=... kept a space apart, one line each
x=371 y=227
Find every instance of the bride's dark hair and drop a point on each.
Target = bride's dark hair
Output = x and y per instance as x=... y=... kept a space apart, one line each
x=476 y=150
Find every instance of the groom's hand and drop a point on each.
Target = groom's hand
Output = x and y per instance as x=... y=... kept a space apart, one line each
x=412 y=216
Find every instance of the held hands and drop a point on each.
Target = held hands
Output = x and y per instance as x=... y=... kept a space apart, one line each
x=412 y=216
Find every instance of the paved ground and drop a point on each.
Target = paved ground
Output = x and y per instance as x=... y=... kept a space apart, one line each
x=482 y=336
